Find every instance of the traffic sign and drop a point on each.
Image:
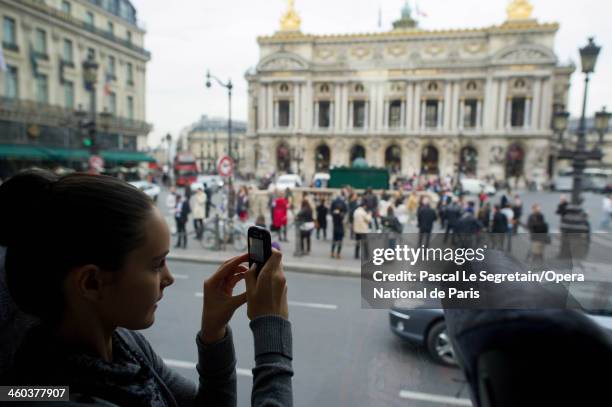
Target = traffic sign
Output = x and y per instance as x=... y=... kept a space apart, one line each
x=225 y=166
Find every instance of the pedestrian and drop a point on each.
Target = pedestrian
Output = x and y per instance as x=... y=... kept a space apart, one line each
x=517 y=210
x=170 y=207
x=339 y=208
x=509 y=214
x=484 y=216
x=242 y=204
x=562 y=207
x=426 y=217
x=482 y=198
x=371 y=201
x=353 y=204
x=452 y=214
x=412 y=206
x=305 y=220
x=538 y=234
x=361 y=226
x=92 y=295
x=198 y=205
x=279 y=217
x=606 y=211
x=209 y=204
x=322 y=218
x=181 y=215
x=499 y=229
x=468 y=227
x=391 y=226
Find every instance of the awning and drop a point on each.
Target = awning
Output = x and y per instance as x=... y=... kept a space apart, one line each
x=68 y=154
x=41 y=153
x=126 y=156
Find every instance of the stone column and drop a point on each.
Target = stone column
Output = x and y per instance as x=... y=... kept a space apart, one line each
x=416 y=104
x=349 y=123
x=461 y=113
x=448 y=104
x=479 y=114
x=385 y=119
x=527 y=118
x=315 y=119
x=537 y=101
x=262 y=105
x=440 y=114
x=332 y=114
x=455 y=108
x=380 y=103
x=338 y=105
x=422 y=123
x=502 y=109
x=271 y=110
x=403 y=115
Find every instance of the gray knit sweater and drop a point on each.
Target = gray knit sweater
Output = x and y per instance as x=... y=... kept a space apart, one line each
x=137 y=373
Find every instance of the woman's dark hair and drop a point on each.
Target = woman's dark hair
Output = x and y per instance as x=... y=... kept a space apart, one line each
x=53 y=224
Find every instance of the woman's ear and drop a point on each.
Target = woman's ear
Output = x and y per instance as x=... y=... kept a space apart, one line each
x=88 y=282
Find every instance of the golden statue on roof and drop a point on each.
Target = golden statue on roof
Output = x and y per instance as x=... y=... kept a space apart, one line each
x=519 y=10
x=290 y=21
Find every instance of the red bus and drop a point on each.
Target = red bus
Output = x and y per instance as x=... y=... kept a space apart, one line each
x=185 y=169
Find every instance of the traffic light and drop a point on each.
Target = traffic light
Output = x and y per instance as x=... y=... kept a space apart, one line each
x=88 y=132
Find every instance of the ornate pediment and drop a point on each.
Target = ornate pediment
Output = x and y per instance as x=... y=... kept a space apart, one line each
x=283 y=62
x=525 y=54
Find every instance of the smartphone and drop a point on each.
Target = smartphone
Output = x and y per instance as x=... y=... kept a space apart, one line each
x=260 y=247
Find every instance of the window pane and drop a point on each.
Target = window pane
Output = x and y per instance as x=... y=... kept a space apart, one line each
x=129 y=37
x=324 y=114
x=11 y=88
x=69 y=94
x=395 y=113
x=431 y=113
x=89 y=18
x=42 y=92
x=66 y=7
x=283 y=113
x=518 y=112
x=68 y=54
x=130 y=73
x=40 y=45
x=359 y=114
x=111 y=28
x=111 y=65
x=112 y=103
x=9 y=36
x=130 y=107
x=469 y=113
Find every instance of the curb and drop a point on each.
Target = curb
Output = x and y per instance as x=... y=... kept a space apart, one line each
x=287 y=266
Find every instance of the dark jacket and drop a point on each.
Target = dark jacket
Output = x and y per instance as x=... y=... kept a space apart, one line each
x=426 y=217
x=538 y=228
x=453 y=213
x=500 y=223
x=392 y=224
x=184 y=213
x=138 y=376
x=304 y=215
x=322 y=215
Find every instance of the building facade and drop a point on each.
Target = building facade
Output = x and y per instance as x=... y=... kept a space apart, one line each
x=207 y=140
x=44 y=44
x=478 y=101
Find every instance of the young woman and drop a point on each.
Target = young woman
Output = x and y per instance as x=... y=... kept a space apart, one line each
x=85 y=254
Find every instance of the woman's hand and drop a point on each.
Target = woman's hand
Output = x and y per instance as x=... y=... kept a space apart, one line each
x=219 y=304
x=267 y=293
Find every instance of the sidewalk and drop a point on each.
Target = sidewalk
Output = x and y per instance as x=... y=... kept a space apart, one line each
x=319 y=260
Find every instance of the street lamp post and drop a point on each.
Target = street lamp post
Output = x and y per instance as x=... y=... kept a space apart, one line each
x=574 y=223
x=169 y=141
x=229 y=86
x=90 y=78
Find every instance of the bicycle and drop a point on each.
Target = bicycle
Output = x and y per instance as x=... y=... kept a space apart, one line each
x=217 y=235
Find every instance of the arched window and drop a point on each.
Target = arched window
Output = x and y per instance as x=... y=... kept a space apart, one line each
x=357 y=151
x=393 y=159
x=324 y=88
x=515 y=161
x=322 y=158
x=472 y=85
x=429 y=160
x=468 y=161
x=432 y=87
x=284 y=88
x=283 y=158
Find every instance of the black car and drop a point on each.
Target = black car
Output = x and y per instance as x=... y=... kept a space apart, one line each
x=424 y=327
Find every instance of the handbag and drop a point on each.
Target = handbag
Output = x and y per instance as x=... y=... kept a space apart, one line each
x=307 y=226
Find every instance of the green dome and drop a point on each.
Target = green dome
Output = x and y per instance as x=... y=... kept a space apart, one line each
x=406 y=11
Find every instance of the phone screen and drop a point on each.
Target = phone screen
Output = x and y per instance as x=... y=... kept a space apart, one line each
x=260 y=246
x=256 y=250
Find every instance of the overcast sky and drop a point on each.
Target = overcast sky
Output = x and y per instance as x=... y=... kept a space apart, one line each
x=187 y=37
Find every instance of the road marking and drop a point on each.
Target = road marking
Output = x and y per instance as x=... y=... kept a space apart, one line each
x=180 y=276
x=434 y=398
x=298 y=304
x=182 y=364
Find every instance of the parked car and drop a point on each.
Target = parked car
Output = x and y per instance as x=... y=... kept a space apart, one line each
x=214 y=182
x=473 y=186
x=148 y=188
x=288 y=181
x=426 y=327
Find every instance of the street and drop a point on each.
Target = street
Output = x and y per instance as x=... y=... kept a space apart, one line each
x=343 y=355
